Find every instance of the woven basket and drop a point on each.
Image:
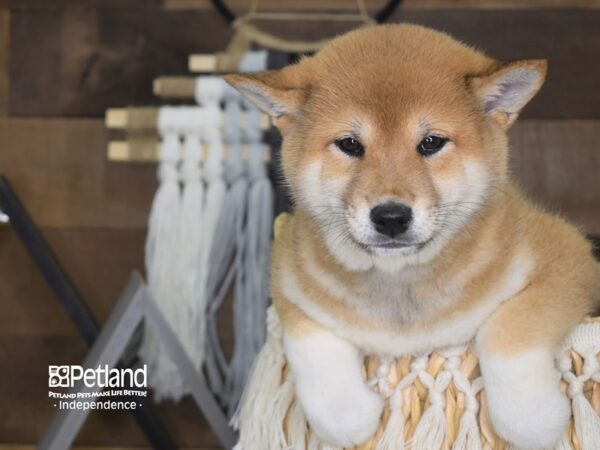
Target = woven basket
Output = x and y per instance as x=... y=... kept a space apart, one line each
x=446 y=384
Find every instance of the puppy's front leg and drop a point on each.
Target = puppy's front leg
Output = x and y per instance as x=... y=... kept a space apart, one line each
x=516 y=349
x=339 y=406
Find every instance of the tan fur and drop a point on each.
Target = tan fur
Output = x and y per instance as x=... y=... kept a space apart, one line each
x=390 y=82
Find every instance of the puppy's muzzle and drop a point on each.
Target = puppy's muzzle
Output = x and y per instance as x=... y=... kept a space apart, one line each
x=391 y=219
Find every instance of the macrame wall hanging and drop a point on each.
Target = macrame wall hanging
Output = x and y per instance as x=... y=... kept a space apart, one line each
x=176 y=240
x=209 y=231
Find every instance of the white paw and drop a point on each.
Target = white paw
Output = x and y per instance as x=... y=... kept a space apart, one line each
x=338 y=404
x=342 y=417
x=525 y=403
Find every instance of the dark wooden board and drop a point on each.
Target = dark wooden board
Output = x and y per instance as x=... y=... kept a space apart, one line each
x=98 y=260
x=60 y=171
x=240 y=6
x=78 y=62
x=564 y=37
x=557 y=160
x=4 y=60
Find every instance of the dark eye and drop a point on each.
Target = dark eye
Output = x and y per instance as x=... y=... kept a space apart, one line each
x=431 y=144
x=350 y=146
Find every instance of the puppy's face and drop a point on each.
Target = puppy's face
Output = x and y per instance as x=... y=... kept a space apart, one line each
x=393 y=137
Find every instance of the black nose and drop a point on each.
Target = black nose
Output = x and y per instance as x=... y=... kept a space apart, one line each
x=391 y=218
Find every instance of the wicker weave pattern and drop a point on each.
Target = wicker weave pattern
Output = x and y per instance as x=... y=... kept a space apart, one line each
x=445 y=386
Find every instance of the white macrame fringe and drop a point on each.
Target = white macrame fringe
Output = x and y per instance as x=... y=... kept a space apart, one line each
x=161 y=260
x=587 y=423
x=585 y=340
x=468 y=433
x=224 y=266
x=266 y=399
x=179 y=241
x=468 y=437
x=297 y=428
x=393 y=434
x=209 y=92
x=191 y=246
x=251 y=290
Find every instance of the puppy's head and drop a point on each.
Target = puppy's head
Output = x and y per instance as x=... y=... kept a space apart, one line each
x=394 y=137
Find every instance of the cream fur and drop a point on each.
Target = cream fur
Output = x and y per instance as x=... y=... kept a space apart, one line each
x=478 y=259
x=326 y=369
x=528 y=403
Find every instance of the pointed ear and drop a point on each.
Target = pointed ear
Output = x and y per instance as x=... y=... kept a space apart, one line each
x=273 y=92
x=504 y=92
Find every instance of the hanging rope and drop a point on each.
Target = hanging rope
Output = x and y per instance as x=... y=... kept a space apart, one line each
x=161 y=251
x=238 y=200
x=191 y=243
x=222 y=270
x=209 y=93
x=251 y=296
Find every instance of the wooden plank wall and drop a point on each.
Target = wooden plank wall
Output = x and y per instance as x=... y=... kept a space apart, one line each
x=62 y=63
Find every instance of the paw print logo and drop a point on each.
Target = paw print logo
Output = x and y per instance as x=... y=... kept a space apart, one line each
x=58 y=376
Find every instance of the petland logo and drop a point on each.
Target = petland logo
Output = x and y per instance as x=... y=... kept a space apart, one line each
x=101 y=377
x=97 y=388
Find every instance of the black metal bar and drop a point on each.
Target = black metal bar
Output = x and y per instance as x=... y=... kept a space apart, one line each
x=70 y=298
x=384 y=13
x=380 y=16
x=223 y=11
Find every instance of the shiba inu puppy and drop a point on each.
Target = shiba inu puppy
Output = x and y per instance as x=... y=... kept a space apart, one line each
x=408 y=234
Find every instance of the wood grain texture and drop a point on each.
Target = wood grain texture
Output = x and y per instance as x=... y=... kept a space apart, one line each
x=4 y=60
x=94 y=59
x=557 y=160
x=291 y=5
x=60 y=171
x=99 y=262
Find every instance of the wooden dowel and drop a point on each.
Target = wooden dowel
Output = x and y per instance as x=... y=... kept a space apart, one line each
x=174 y=87
x=116 y=118
x=121 y=151
x=120 y=118
x=226 y=62
x=203 y=63
x=133 y=118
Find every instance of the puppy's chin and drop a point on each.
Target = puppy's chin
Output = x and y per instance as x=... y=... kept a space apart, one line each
x=412 y=257
x=345 y=250
x=400 y=250
x=357 y=257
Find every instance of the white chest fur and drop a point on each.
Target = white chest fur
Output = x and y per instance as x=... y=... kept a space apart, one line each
x=404 y=324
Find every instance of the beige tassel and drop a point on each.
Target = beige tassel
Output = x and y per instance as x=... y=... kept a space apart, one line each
x=261 y=413
x=468 y=433
x=587 y=423
x=393 y=434
x=431 y=430
x=297 y=428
